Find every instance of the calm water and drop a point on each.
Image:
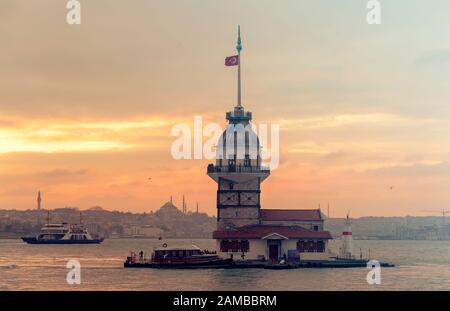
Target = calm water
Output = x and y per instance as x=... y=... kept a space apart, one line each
x=421 y=265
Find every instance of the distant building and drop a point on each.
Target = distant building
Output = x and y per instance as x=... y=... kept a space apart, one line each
x=93 y=228
x=147 y=231
x=168 y=210
x=244 y=230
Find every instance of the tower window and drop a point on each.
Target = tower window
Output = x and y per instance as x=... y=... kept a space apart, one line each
x=247 y=161
x=231 y=165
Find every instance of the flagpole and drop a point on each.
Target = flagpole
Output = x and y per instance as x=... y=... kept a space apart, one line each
x=239 y=48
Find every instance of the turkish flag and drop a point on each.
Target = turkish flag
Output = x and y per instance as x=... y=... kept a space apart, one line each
x=232 y=60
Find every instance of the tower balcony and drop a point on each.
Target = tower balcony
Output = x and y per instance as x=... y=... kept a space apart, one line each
x=239 y=116
x=238 y=173
x=237 y=169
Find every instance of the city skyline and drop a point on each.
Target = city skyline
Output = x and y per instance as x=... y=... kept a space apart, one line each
x=86 y=113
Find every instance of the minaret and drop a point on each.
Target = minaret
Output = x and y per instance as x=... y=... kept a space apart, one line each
x=39 y=201
x=238 y=171
x=347 y=238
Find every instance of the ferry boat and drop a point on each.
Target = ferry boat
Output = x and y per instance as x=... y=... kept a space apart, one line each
x=177 y=258
x=62 y=234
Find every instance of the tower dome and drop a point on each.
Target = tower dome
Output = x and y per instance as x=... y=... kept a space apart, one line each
x=239 y=144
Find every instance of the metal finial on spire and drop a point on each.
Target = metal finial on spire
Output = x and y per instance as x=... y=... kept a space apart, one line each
x=239 y=43
x=239 y=48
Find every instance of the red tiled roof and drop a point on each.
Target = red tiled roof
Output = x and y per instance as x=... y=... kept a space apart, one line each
x=260 y=231
x=290 y=214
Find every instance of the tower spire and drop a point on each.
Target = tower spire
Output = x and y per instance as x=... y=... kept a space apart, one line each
x=239 y=48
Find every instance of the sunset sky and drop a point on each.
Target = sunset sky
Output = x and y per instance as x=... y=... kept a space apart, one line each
x=86 y=111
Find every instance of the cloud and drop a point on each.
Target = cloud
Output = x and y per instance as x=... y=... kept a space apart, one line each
x=434 y=58
x=62 y=135
x=440 y=169
x=59 y=173
x=341 y=120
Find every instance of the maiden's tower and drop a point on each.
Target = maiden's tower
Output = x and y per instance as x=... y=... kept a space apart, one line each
x=244 y=229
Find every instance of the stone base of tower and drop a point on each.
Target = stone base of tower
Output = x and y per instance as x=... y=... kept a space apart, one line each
x=234 y=217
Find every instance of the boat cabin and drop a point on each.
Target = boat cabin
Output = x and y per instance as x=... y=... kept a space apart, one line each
x=166 y=253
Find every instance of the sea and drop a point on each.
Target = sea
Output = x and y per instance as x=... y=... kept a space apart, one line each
x=420 y=265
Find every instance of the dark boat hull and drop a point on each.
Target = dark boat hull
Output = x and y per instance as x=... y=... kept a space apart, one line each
x=209 y=264
x=32 y=240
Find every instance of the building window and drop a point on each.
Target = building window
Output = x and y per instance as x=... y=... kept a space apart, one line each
x=245 y=246
x=234 y=246
x=302 y=246
x=316 y=228
x=310 y=246
x=247 y=160
x=320 y=246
